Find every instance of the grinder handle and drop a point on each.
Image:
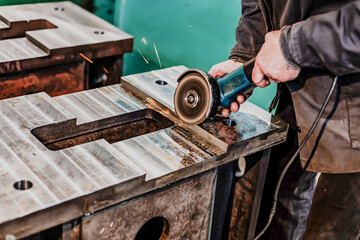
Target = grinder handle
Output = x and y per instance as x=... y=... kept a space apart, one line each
x=248 y=68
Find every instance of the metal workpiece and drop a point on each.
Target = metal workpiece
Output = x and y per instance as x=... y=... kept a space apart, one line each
x=54 y=33
x=242 y=129
x=183 y=210
x=73 y=155
x=57 y=48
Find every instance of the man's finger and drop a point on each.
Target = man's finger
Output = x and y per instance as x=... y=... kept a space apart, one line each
x=266 y=83
x=225 y=112
x=263 y=83
x=216 y=73
x=240 y=99
x=213 y=70
x=234 y=107
x=258 y=75
x=274 y=80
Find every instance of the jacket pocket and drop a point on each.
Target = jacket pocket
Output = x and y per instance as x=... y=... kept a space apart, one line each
x=352 y=98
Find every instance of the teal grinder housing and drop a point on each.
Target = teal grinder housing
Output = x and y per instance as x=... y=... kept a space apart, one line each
x=198 y=96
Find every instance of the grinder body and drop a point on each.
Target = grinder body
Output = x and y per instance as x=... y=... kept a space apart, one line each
x=198 y=96
x=235 y=83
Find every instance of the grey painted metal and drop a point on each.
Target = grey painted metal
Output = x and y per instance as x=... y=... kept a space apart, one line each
x=185 y=206
x=83 y=179
x=258 y=193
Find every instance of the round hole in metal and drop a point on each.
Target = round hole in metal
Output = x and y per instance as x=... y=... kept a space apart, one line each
x=60 y=9
x=156 y=228
x=23 y=185
x=161 y=82
x=99 y=32
x=229 y=122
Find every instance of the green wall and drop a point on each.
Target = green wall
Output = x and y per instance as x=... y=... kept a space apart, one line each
x=194 y=33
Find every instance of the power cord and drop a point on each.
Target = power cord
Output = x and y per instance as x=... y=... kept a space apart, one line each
x=275 y=197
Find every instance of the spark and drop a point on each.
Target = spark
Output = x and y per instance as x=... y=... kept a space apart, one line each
x=86 y=58
x=190 y=26
x=147 y=61
x=124 y=1
x=106 y=70
x=144 y=41
x=157 y=54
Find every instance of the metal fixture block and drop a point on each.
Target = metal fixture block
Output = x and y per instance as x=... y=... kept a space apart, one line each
x=56 y=166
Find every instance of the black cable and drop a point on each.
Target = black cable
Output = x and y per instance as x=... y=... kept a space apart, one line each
x=275 y=197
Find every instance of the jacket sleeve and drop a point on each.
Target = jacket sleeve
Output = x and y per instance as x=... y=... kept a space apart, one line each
x=328 y=41
x=250 y=33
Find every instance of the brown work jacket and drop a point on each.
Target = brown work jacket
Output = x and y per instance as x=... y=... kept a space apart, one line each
x=322 y=38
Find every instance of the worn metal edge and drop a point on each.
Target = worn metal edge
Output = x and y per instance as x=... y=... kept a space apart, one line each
x=109 y=196
x=65 y=56
x=157 y=106
x=115 y=194
x=74 y=208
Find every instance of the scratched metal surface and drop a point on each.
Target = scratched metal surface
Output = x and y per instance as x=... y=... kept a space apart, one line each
x=156 y=158
x=251 y=121
x=32 y=31
x=19 y=48
x=65 y=174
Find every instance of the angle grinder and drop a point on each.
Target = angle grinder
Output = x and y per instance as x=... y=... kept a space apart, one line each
x=199 y=96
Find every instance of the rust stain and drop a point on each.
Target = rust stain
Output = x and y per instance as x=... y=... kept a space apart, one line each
x=54 y=81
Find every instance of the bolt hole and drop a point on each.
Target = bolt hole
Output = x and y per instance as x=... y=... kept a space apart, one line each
x=161 y=82
x=23 y=185
x=229 y=122
x=156 y=228
x=60 y=9
x=99 y=32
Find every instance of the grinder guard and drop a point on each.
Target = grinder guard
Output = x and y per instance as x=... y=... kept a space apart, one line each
x=196 y=96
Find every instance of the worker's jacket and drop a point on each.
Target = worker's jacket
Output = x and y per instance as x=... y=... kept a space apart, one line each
x=322 y=37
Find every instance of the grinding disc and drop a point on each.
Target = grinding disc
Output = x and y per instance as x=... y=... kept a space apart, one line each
x=193 y=98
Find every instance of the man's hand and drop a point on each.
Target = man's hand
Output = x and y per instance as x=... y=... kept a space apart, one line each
x=271 y=63
x=220 y=69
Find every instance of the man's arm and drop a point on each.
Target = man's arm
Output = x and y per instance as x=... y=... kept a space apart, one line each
x=328 y=41
x=250 y=33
